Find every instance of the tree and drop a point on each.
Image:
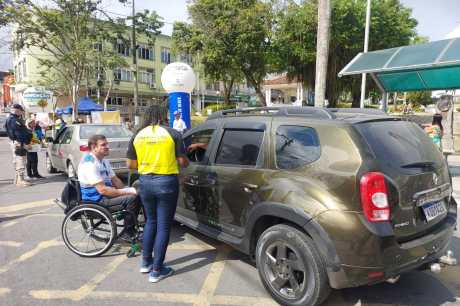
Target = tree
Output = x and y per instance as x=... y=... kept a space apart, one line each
x=230 y=38
x=391 y=26
x=420 y=97
x=66 y=31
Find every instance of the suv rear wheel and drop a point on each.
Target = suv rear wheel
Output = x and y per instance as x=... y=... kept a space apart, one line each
x=290 y=267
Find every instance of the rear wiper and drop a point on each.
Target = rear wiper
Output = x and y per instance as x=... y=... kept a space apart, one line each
x=422 y=165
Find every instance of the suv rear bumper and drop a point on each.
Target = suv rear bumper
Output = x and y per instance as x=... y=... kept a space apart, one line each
x=361 y=251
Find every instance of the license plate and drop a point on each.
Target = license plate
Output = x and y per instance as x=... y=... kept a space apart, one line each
x=434 y=210
x=118 y=165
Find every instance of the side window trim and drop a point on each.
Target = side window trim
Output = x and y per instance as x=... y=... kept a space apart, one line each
x=260 y=154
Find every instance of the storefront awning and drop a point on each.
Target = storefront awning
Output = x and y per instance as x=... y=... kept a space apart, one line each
x=430 y=66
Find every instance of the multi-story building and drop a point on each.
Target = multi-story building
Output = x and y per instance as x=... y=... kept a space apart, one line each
x=151 y=62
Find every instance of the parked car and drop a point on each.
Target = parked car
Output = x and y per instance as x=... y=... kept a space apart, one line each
x=320 y=198
x=67 y=148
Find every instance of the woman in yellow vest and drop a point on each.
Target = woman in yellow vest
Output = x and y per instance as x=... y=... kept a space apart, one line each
x=157 y=152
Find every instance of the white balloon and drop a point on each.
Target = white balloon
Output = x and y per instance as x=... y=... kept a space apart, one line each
x=178 y=77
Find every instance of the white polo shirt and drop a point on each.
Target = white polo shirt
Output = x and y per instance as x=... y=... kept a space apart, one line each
x=91 y=171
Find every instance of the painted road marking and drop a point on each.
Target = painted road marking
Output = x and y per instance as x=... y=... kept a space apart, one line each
x=13 y=244
x=212 y=280
x=18 y=207
x=83 y=291
x=41 y=246
x=11 y=223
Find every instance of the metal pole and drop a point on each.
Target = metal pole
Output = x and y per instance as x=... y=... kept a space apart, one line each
x=134 y=47
x=322 y=51
x=366 y=43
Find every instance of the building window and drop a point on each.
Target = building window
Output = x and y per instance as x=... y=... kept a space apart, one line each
x=123 y=74
x=146 y=77
x=145 y=53
x=165 y=55
x=98 y=46
x=122 y=48
x=115 y=101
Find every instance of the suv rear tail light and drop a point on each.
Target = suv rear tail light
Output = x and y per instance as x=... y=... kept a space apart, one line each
x=374 y=199
x=84 y=148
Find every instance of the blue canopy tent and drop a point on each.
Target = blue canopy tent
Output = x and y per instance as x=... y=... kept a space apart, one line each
x=85 y=106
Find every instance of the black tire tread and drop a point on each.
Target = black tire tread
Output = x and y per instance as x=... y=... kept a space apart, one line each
x=302 y=240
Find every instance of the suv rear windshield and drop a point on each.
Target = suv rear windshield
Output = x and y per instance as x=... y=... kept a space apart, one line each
x=400 y=143
x=109 y=131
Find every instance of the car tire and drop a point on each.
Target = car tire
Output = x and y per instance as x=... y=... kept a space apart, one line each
x=49 y=165
x=71 y=170
x=290 y=267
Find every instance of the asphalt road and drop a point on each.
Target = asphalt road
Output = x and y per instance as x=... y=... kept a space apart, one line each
x=37 y=269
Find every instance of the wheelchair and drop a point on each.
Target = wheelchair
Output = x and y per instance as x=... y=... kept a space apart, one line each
x=89 y=229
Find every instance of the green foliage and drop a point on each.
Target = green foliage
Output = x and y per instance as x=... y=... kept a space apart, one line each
x=231 y=40
x=295 y=39
x=420 y=98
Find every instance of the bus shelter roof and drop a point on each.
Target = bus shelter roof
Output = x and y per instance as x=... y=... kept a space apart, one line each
x=429 y=66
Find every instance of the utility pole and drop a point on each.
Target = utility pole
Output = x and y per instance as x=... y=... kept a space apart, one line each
x=366 y=43
x=134 y=48
x=322 y=50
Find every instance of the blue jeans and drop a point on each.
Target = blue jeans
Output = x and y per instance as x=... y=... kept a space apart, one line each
x=159 y=197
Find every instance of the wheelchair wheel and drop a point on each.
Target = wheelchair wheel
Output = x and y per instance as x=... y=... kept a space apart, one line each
x=89 y=230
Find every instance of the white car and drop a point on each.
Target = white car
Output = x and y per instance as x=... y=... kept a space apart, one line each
x=67 y=148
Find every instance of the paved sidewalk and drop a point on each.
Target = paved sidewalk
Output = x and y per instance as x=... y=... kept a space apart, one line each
x=454 y=167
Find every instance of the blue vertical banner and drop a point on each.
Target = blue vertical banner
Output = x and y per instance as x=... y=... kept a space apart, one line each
x=180 y=101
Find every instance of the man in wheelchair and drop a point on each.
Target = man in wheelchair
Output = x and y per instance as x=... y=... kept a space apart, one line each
x=98 y=183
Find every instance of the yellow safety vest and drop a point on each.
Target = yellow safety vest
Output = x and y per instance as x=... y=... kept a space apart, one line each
x=156 y=151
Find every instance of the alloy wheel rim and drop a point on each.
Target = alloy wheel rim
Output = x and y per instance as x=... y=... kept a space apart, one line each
x=284 y=270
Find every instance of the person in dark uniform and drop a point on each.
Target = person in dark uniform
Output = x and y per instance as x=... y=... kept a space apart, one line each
x=20 y=137
x=157 y=152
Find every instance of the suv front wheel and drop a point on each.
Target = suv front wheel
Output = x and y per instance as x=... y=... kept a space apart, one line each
x=290 y=267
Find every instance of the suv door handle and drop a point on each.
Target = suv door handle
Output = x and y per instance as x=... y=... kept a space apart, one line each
x=249 y=187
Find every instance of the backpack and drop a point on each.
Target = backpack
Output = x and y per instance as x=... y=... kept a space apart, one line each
x=70 y=195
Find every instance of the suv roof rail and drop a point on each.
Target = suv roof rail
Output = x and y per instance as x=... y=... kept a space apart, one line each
x=366 y=111
x=316 y=112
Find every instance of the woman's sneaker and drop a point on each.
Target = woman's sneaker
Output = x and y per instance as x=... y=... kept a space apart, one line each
x=146 y=265
x=146 y=268
x=156 y=276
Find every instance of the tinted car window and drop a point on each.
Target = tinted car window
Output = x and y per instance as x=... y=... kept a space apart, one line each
x=399 y=143
x=239 y=147
x=109 y=131
x=201 y=137
x=67 y=136
x=296 y=146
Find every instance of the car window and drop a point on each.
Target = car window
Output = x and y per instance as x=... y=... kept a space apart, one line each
x=398 y=143
x=239 y=147
x=109 y=131
x=296 y=146
x=66 y=136
x=200 y=141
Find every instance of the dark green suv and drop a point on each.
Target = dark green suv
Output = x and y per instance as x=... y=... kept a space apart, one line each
x=321 y=198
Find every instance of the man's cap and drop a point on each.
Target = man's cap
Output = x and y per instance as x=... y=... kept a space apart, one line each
x=18 y=106
x=176 y=113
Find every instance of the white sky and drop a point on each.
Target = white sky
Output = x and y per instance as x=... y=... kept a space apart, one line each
x=436 y=18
